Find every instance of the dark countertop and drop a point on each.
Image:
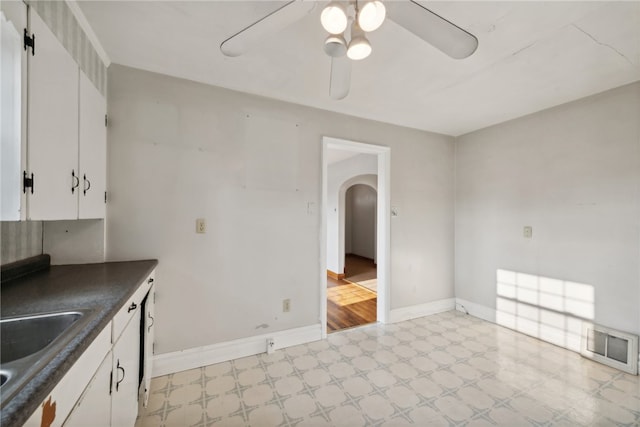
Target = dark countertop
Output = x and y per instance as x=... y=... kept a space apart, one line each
x=102 y=288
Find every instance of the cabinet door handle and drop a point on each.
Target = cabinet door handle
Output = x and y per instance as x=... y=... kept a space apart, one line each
x=123 y=373
x=132 y=307
x=152 y=322
x=76 y=181
x=86 y=187
x=150 y=280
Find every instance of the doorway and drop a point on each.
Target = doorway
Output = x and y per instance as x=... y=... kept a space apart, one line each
x=368 y=166
x=352 y=292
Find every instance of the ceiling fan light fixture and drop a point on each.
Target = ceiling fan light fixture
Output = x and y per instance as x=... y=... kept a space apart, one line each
x=359 y=48
x=335 y=45
x=334 y=18
x=371 y=15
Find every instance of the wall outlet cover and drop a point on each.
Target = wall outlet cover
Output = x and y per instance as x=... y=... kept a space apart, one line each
x=201 y=226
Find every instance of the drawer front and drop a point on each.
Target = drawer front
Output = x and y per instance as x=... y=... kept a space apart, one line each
x=121 y=319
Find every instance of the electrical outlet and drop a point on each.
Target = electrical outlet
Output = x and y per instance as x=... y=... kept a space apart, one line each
x=201 y=226
x=528 y=232
x=286 y=305
x=271 y=345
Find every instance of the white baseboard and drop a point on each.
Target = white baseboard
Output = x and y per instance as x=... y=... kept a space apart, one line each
x=421 y=310
x=177 y=361
x=476 y=310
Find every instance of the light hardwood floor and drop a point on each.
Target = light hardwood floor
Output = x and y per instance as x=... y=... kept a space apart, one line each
x=349 y=304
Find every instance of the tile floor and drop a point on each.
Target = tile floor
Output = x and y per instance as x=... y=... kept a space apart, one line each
x=445 y=369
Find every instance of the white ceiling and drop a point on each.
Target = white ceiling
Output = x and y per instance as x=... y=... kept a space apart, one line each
x=531 y=56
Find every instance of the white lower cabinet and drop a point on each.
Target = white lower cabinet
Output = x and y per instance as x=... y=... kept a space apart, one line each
x=94 y=406
x=102 y=388
x=149 y=334
x=55 y=409
x=111 y=398
x=126 y=363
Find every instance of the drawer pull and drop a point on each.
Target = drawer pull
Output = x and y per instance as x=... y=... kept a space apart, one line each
x=132 y=307
x=86 y=187
x=75 y=181
x=123 y=373
x=150 y=324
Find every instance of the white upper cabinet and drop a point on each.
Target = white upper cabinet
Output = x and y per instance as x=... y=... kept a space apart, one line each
x=92 y=151
x=66 y=134
x=52 y=128
x=13 y=74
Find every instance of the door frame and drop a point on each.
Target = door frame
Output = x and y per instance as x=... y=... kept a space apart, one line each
x=383 y=225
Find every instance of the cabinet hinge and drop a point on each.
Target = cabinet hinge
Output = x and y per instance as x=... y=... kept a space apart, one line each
x=153 y=348
x=27 y=182
x=29 y=42
x=106 y=120
x=105 y=197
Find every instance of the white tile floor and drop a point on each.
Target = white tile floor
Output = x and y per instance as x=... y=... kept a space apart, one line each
x=446 y=369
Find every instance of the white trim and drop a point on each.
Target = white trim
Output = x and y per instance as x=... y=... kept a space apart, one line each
x=384 y=224
x=91 y=35
x=476 y=310
x=421 y=310
x=177 y=361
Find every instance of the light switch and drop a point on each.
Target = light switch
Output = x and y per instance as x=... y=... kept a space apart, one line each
x=201 y=226
x=528 y=232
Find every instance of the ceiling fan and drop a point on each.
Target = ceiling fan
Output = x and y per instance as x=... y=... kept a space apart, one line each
x=347 y=23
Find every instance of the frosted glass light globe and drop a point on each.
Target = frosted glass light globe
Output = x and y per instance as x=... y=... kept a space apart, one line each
x=371 y=15
x=334 y=18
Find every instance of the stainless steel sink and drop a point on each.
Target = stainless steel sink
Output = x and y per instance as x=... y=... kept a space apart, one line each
x=4 y=377
x=28 y=343
x=24 y=336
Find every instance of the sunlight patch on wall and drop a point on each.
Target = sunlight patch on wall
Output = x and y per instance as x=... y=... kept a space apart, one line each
x=546 y=308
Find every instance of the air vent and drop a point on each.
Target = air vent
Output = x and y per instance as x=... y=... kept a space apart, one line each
x=609 y=347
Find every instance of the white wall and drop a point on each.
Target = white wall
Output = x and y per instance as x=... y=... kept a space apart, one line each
x=74 y=242
x=360 y=221
x=573 y=174
x=179 y=150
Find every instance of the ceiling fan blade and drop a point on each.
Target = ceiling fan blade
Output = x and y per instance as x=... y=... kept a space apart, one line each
x=432 y=28
x=340 y=81
x=280 y=18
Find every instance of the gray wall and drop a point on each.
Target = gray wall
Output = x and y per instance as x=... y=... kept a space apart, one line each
x=19 y=240
x=250 y=166
x=360 y=221
x=573 y=174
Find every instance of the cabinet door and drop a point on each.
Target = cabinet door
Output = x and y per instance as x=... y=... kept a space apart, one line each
x=126 y=364
x=149 y=333
x=94 y=406
x=13 y=113
x=93 y=150
x=52 y=138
